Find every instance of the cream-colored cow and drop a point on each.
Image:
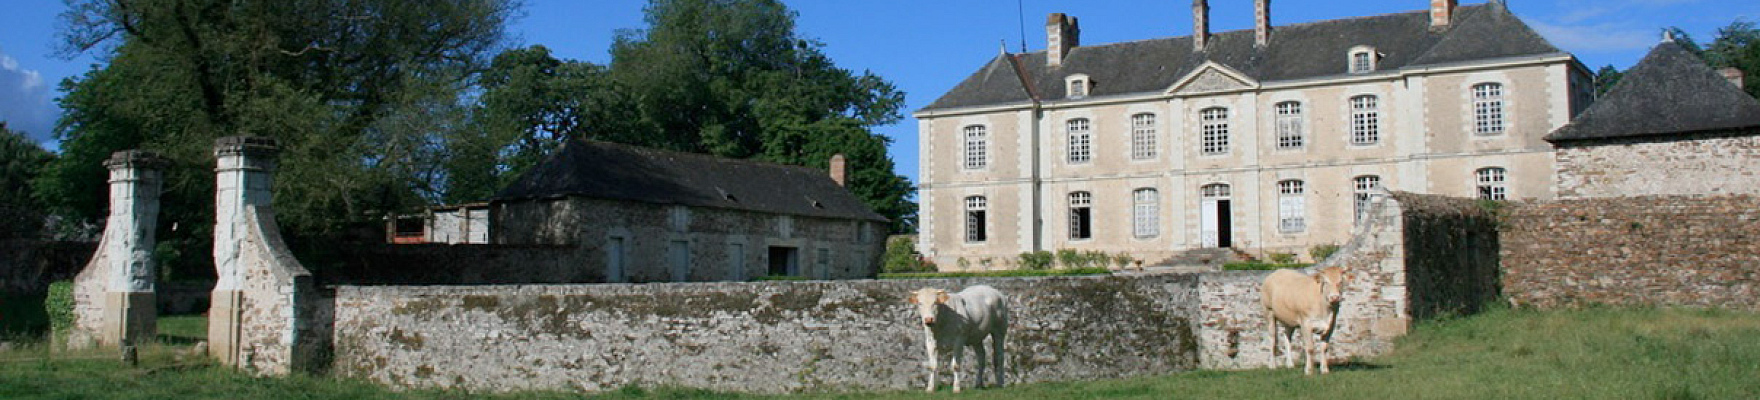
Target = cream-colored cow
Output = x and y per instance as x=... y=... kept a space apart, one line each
x=1305 y=304
x=953 y=322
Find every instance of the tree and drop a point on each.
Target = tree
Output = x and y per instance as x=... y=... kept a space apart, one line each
x=1736 y=45
x=1605 y=78
x=21 y=215
x=359 y=93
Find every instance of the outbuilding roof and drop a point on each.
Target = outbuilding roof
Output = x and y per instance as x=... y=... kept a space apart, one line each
x=622 y=172
x=1295 y=52
x=1670 y=91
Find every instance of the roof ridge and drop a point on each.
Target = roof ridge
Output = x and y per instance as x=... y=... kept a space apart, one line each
x=710 y=157
x=1249 y=30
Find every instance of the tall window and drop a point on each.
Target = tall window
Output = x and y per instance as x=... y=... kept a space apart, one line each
x=1365 y=186
x=1080 y=141
x=1365 y=120
x=1143 y=136
x=1213 y=131
x=1488 y=108
x=1146 y=212
x=1080 y=215
x=1289 y=125
x=977 y=147
x=975 y=207
x=1291 y=208
x=1491 y=183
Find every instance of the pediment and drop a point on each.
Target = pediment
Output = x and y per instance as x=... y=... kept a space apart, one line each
x=1211 y=78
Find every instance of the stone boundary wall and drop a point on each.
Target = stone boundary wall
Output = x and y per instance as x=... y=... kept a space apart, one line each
x=28 y=266
x=458 y=264
x=1644 y=251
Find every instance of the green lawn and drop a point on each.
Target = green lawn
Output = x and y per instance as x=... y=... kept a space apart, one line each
x=1594 y=353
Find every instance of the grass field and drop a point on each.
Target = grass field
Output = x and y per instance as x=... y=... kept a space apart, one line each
x=1593 y=353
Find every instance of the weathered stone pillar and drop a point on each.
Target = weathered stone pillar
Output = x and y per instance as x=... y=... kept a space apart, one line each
x=113 y=295
x=242 y=180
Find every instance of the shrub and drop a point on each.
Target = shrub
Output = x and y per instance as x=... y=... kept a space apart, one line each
x=59 y=306
x=1036 y=260
x=1068 y=258
x=1283 y=258
x=1122 y=260
x=964 y=264
x=1321 y=251
x=901 y=256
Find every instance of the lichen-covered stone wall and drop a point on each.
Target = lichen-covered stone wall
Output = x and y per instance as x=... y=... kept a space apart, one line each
x=1700 y=164
x=1644 y=251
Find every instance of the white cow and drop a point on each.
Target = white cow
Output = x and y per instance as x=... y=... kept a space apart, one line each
x=953 y=322
x=1298 y=303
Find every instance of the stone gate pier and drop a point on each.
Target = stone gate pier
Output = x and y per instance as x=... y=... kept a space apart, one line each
x=255 y=320
x=113 y=295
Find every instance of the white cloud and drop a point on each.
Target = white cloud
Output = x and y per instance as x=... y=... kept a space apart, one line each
x=1597 y=37
x=25 y=101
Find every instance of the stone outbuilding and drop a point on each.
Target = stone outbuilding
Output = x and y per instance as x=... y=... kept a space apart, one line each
x=1671 y=126
x=646 y=215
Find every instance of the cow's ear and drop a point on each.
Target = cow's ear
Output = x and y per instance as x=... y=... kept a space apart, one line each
x=941 y=296
x=912 y=299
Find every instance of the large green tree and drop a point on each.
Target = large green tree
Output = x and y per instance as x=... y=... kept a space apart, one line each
x=359 y=92
x=730 y=78
x=21 y=215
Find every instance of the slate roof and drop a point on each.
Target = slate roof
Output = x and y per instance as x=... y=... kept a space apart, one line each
x=1670 y=91
x=1299 y=51
x=622 y=172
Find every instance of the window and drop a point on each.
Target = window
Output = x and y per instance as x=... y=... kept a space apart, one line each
x=1213 y=131
x=975 y=207
x=977 y=147
x=1146 y=213
x=1078 y=88
x=1080 y=141
x=1080 y=206
x=1365 y=120
x=1289 y=125
x=1488 y=108
x=1291 y=208
x=1362 y=59
x=1365 y=187
x=1491 y=183
x=1214 y=190
x=1143 y=136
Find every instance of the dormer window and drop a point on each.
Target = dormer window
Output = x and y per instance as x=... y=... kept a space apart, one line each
x=1078 y=85
x=1363 y=59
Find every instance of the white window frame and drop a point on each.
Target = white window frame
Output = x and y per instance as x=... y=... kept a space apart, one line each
x=1365 y=120
x=1488 y=109
x=1361 y=60
x=1146 y=213
x=1081 y=215
x=977 y=208
x=1290 y=121
x=1143 y=136
x=1077 y=86
x=1292 y=213
x=1215 y=191
x=977 y=147
x=1492 y=183
x=1213 y=131
x=1364 y=187
x=1081 y=140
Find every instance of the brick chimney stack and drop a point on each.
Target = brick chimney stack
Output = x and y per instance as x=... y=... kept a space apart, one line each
x=1442 y=13
x=1200 y=24
x=838 y=172
x=1261 y=23
x=1062 y=35
x=1734 y=75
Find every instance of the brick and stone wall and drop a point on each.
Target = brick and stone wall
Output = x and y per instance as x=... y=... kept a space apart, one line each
x=1646 y=251
x=1701 y=164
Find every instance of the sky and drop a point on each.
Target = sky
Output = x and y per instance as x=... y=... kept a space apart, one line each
x=924 y=47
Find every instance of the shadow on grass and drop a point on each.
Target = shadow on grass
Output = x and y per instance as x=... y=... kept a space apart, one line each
x=177 y=340
x=1359 y=365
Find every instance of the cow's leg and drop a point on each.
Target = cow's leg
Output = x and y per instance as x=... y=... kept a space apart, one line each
x=1307 y=349
x=996 y=342
x=959 y=350
x=981 y=357
x=1323 y=349
x=1272 y=330
x=934 y=365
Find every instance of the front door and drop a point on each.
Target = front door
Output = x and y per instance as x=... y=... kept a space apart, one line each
x=1214 y=217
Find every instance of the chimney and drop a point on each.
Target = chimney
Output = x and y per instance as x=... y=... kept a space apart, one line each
x=1734 y=75
x=838 y=173
x=1261 y=23
x=1062 y=35
x=1442 y=13
x=1200 y=24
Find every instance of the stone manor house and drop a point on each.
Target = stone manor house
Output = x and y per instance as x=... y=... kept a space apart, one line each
x=1266 y=140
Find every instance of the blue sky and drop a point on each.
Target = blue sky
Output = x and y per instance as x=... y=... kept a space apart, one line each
x=927 y=46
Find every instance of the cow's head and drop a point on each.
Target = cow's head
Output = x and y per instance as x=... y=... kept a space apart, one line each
x=927 y=300
x=1332 y=281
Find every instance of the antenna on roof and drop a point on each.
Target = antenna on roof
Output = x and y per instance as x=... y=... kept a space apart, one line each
x=1020 y=14
x=1004 y=46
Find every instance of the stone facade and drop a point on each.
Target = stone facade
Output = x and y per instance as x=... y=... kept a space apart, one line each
x=1687 y=164
x=1639 y=251
x=113 y=295
x=458 y=224
x=626 y=241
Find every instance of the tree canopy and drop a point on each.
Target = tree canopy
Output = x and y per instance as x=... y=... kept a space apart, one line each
x=21 y=215
x=1737 y=45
